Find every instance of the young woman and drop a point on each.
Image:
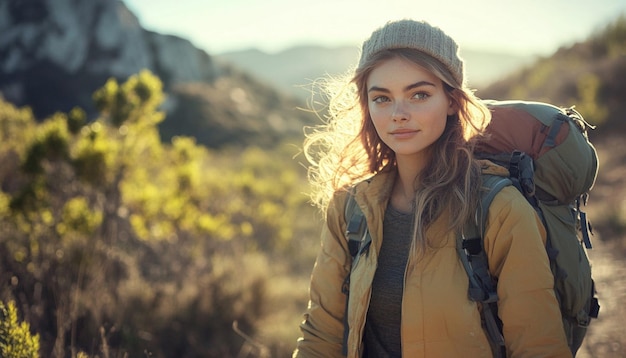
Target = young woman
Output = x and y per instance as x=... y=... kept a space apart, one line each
x=401 y=139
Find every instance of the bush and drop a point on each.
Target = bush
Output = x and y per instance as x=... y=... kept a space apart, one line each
x=16 y=341
x=111 y=235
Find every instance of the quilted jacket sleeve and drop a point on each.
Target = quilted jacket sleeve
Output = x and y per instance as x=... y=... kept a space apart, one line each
x=323 y=324
x=515 y=245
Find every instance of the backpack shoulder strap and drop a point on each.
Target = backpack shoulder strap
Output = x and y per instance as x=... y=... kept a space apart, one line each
x=470 y=248
x=357 y=233
x=359 y=239
x=492 y=184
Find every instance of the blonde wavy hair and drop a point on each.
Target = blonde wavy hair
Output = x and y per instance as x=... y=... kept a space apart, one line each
x=346 y=148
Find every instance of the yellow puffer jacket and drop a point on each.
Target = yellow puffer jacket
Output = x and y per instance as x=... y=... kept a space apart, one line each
x=438 y=319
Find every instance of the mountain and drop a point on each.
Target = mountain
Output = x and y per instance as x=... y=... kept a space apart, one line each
x=589 y=74
x=67 y=49
x=54 y=55
x=294 y=69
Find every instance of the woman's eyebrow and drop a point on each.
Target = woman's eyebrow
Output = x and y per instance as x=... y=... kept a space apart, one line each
x=407 y=88
x=418 y=84
x=378 y=89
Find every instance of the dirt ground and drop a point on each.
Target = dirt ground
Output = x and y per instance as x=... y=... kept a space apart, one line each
x=606 y=337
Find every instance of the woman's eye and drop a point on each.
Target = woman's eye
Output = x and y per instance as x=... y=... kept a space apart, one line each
x=380 y=99
x=421 y=95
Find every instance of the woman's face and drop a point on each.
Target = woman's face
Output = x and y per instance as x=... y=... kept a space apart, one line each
x=408 y=107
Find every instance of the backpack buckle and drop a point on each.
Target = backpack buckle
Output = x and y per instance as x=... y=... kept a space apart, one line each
x=522 y=168
x=473 y=246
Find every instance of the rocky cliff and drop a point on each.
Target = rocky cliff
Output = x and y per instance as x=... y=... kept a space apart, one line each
x=55 y=53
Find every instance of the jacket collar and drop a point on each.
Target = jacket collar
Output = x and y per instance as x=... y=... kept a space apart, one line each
x=376 y=191
x=372 y=195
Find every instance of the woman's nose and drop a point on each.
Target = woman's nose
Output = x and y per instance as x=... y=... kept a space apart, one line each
x=399 y=112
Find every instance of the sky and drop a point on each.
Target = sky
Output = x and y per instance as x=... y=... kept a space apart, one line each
x=528 y=27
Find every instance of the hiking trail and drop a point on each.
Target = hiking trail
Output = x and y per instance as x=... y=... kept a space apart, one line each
x=606 y=337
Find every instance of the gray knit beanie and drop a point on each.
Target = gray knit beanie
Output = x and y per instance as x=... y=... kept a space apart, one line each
x=418 y=35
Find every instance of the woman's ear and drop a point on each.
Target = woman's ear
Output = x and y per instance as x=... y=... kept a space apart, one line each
x=453 y=107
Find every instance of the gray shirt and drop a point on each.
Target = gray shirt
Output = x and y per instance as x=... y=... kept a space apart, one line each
x=384 y=316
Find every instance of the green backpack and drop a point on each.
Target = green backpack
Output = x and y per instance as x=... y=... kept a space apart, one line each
x=553 y=164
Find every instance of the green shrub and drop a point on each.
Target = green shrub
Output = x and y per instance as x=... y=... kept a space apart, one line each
x=161 y=245
x=16 y=341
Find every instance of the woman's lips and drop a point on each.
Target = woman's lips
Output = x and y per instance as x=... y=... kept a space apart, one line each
x=404 y=133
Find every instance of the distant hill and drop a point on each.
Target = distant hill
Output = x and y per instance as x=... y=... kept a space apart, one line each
x=590 y=74
x=53 y=58
x=293 y=69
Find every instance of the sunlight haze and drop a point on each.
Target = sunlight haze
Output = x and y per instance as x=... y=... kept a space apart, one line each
x=535 y=27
